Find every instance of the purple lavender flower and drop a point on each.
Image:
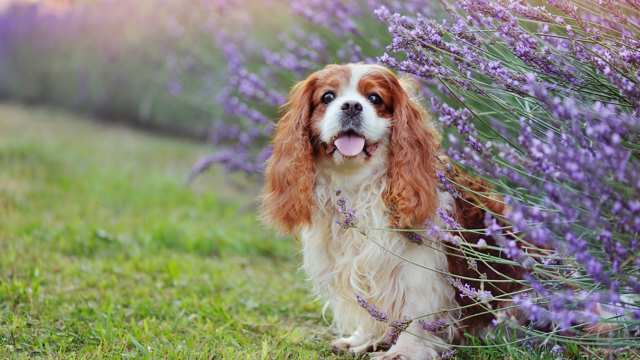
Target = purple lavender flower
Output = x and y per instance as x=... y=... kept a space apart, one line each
x=414 y=237
x=394 y=330
x=465 y=290
x=435 y=232
x=557 y=350
x=449 y=354
x=348 y=214
x=435 y=326
x=447 y=219
x=371 y=309
x=447 y=184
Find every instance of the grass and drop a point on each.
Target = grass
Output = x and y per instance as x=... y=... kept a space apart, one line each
x=106 y=253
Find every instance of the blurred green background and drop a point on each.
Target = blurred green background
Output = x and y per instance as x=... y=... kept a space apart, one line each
x=147 y=63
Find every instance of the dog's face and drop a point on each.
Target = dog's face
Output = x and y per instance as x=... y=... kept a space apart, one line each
x=353 y=109
x=349 y=115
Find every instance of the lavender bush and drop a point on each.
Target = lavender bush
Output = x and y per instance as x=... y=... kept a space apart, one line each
x=544 y=103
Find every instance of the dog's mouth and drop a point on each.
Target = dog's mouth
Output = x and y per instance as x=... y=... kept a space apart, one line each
x=351 y=144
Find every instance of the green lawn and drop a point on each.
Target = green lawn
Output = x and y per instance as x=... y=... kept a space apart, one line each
x=104 y=251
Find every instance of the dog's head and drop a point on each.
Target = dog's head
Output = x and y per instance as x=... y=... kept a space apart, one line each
x=349 y=117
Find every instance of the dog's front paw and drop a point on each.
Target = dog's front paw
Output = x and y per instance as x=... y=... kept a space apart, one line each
x=341 y=345
x=349 y=344
x=355 y=344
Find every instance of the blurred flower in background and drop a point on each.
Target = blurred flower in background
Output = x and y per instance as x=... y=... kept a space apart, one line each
x=132 y=61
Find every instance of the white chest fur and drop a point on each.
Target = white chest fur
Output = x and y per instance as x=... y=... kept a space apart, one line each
x=401 y=278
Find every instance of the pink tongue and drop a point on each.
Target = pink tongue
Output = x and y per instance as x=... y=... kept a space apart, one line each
x=349 y=145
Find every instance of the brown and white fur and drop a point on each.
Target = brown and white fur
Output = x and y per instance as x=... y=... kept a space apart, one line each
x=391 y=183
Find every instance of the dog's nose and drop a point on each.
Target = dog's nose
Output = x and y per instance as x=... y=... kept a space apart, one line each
x=351 y=108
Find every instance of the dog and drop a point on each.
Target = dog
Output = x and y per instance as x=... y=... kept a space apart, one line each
x=355 y=133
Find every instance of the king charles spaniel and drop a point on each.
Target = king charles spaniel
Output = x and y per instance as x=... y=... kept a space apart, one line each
x=355 y=132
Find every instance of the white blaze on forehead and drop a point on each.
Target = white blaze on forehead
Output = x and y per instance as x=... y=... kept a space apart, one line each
x=374 y=128
x=358 y=71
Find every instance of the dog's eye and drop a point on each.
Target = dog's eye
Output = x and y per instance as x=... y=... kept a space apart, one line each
x=375 y=99
x=328 y=97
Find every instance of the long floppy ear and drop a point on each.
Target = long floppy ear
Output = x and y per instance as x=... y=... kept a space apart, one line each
x=287 y=198
x=411 y=193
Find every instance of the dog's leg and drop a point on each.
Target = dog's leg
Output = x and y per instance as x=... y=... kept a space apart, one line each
x=425 y=292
